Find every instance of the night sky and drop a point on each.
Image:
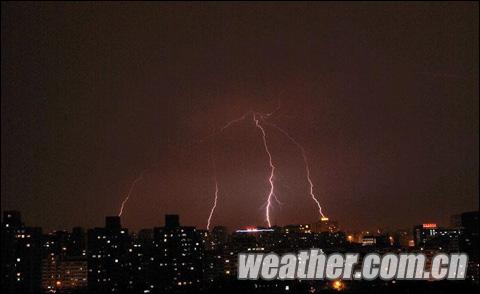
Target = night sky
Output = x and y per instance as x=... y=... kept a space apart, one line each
x=383 y=97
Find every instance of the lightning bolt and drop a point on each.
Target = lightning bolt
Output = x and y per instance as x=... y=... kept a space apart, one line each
x=216 y=192
x=272 y=168
x=226 y=126
x=276 y=199
x=305 y=160
x=132 y=187
x=237 y=120
x=219 y=131
x=257 y=118
x=214 y=204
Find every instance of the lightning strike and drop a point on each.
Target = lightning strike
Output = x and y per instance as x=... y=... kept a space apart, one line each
x=272 y=168
x=216 y=195
x=257 y=118
x=132 y=187
x=214 y=204
x=305 y=161
x=226 y=126
x=276 y=199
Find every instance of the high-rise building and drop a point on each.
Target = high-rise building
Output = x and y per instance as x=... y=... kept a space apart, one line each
x=423 y=233
x=402 y=238
x=21 y=255
x=431 y=236
x=218 y=260
x=178 y=254
x=106 y=256
x=469 y=240
x=64 y=264
x=172 y=221
x=220 y=234
x=12 y=219
x=112 y=223
x=64 y=274
x=325 y=225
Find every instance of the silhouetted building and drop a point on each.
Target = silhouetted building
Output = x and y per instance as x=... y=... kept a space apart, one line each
x=106 y=255
x=402 y=238
x=64 y=274
x=78 y=242
x=332 y=241
x=12 y=219
x=430 y=236
x=145 y=234
x=218 y=237
x=469 y=240
x=21 y=255
x=172 y=221
x=64 y=264
x=112 y=223
x=325 y=225
x=378 y=241
x=178 y=256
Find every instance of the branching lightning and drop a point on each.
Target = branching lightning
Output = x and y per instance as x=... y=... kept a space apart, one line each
x=259 y=119
x=272 y=168
x=271 y=195
x=226 y=126
x=305 y=160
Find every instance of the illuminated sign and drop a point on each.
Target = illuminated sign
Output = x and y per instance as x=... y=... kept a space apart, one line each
x=429 y=226
x=253 y=230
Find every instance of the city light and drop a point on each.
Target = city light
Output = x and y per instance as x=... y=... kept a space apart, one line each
x=254 y=230
x=338 y=285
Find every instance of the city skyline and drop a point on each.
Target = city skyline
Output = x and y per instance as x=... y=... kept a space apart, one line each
x=178 y=258
x=324 y=222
